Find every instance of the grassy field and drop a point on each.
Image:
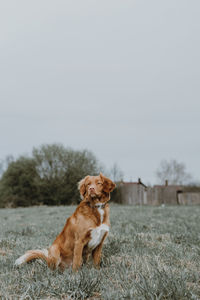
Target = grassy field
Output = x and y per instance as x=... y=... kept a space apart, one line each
x=151 y=253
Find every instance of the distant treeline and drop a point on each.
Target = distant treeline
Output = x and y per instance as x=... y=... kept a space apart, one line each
x=48 y=177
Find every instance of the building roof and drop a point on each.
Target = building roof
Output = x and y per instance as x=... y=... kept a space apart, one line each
x=132 y=183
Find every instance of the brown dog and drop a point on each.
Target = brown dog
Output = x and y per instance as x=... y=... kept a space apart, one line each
x=84 y=232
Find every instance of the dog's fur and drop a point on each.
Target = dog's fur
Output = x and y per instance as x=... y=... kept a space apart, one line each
x=84 y=232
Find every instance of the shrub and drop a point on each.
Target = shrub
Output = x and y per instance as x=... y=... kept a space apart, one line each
x=18 y=184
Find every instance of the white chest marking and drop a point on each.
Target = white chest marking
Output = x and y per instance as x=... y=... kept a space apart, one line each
x=101 y=212
x=97 y=235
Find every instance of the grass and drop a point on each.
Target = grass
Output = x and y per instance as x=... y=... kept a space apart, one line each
x=151 y=253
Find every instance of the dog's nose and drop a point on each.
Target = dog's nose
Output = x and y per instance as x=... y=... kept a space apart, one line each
x=91 y=189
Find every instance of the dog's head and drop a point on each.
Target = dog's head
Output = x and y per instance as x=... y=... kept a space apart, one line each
x=96 y=187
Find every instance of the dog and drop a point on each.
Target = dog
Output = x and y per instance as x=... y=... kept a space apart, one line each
x=84 y=232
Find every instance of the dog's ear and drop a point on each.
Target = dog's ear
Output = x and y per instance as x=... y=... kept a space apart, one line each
x=108 y=185
x=82 y=187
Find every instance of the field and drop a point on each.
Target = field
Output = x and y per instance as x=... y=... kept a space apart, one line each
x=151 y=253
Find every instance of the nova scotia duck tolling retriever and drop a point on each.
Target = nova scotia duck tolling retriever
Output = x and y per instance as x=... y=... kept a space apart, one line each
x=84 y=232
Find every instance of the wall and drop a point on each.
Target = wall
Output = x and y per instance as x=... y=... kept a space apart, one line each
x=138 y=194
x=133 y=193
x=158 y=195
x=189 y=198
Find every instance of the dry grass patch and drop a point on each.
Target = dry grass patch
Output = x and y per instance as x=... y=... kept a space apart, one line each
x=151 y=253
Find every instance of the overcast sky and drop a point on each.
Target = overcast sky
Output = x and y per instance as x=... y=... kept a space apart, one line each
x=120 y=78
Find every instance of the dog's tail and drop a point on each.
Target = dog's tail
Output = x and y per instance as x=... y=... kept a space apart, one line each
x=32 y=254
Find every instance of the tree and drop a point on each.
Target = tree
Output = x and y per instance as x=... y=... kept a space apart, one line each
x=115 y=173
x=49 y=177
x=173 y=171
x=4 y=163
x=18 y=184
x=59 y=171
x=117 y=176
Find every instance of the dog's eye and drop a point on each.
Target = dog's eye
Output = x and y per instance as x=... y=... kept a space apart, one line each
x=99 y=183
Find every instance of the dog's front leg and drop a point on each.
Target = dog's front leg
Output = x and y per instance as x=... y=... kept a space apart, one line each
x=96 y=254
x=78 y=251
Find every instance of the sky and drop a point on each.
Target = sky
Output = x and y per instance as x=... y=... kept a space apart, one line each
x=119 y=78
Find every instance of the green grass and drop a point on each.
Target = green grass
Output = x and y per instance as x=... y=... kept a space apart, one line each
x=150 y=253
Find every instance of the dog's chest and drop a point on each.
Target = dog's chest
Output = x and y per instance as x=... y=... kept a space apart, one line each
x=98 y=233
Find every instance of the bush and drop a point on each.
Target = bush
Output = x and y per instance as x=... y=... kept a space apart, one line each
x=18 y=184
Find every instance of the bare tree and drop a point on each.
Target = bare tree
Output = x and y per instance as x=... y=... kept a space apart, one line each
x=115 y=173
x=173 y=171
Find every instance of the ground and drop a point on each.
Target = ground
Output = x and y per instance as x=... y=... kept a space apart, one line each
x=151 y=253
